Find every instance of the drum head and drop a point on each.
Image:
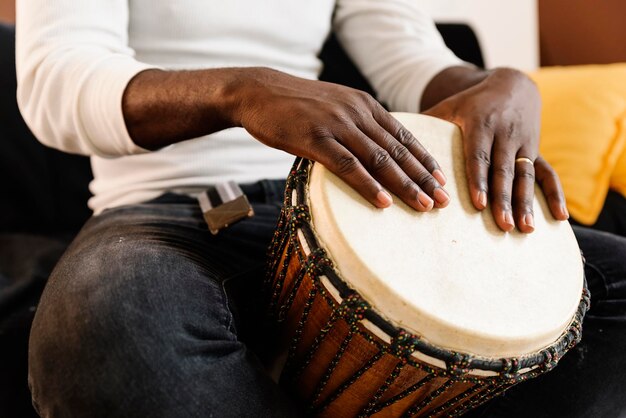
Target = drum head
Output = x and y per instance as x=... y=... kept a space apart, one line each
x=451 y=275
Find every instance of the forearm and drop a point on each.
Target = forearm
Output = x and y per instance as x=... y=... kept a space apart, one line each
x=164 y=107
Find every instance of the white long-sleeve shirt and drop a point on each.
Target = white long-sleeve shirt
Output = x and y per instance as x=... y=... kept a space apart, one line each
x=75 y=58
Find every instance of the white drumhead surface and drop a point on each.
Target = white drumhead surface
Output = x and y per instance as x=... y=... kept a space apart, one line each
x=451 y=275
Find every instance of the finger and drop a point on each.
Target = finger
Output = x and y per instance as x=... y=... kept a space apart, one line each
x=384 y=169
x=347 y=166
x=502 y=174
x=392 y=126
x=477 y=145
x=551 y=187
x=409 y=163
x=524 y=192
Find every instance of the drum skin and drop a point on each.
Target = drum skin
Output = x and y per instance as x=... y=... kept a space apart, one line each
x=346 y=359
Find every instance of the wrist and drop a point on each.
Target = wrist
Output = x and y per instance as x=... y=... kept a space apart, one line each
x=236 y=93
x=451 y=81
x=245 y=89
x=165 y=107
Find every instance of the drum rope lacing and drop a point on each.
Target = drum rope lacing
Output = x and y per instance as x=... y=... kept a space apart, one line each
x=295 y=217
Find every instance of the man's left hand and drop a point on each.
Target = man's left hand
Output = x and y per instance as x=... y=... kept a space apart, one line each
x=500 y=120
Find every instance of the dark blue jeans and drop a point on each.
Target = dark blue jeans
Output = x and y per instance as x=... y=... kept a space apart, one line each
x=149 y=315
x=136 y=319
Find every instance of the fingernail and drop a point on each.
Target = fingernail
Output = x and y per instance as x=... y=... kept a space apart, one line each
x=425 y=200
x=508 y=219
x=441 y=196
x=384 y=198
x=440 y=177
x=565 y=212
x=482 y=198
x=529 y=220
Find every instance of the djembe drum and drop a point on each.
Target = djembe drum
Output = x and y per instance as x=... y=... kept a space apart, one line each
x=395 y=312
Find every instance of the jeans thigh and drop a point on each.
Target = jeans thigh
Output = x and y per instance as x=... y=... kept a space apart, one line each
x=605 y=270
x=136 y=319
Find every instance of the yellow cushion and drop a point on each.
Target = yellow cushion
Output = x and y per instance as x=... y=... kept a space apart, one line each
x=583 y=132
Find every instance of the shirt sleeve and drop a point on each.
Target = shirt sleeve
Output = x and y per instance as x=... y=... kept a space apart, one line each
x=396 y=46
x=73 y=64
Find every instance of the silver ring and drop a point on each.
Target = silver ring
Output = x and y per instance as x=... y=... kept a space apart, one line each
x=524 y=160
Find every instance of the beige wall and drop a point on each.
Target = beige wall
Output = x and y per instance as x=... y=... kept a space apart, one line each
x=7 y=11
x=582 y=31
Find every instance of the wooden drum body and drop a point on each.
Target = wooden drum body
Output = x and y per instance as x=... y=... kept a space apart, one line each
x=391 y=313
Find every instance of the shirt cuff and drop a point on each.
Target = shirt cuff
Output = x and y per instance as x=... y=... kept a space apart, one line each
x=409 y=92
x=100 y=106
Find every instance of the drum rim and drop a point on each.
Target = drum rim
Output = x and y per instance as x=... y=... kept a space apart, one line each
x=545 y=359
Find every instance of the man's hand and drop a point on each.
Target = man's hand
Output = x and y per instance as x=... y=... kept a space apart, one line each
x=342 y=128
x=347 y=131
x=499 y=114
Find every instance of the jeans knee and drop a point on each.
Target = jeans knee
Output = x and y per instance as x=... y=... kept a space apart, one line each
x=123 y=314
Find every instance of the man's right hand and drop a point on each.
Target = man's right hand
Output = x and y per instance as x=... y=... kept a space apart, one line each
x=344 y=129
